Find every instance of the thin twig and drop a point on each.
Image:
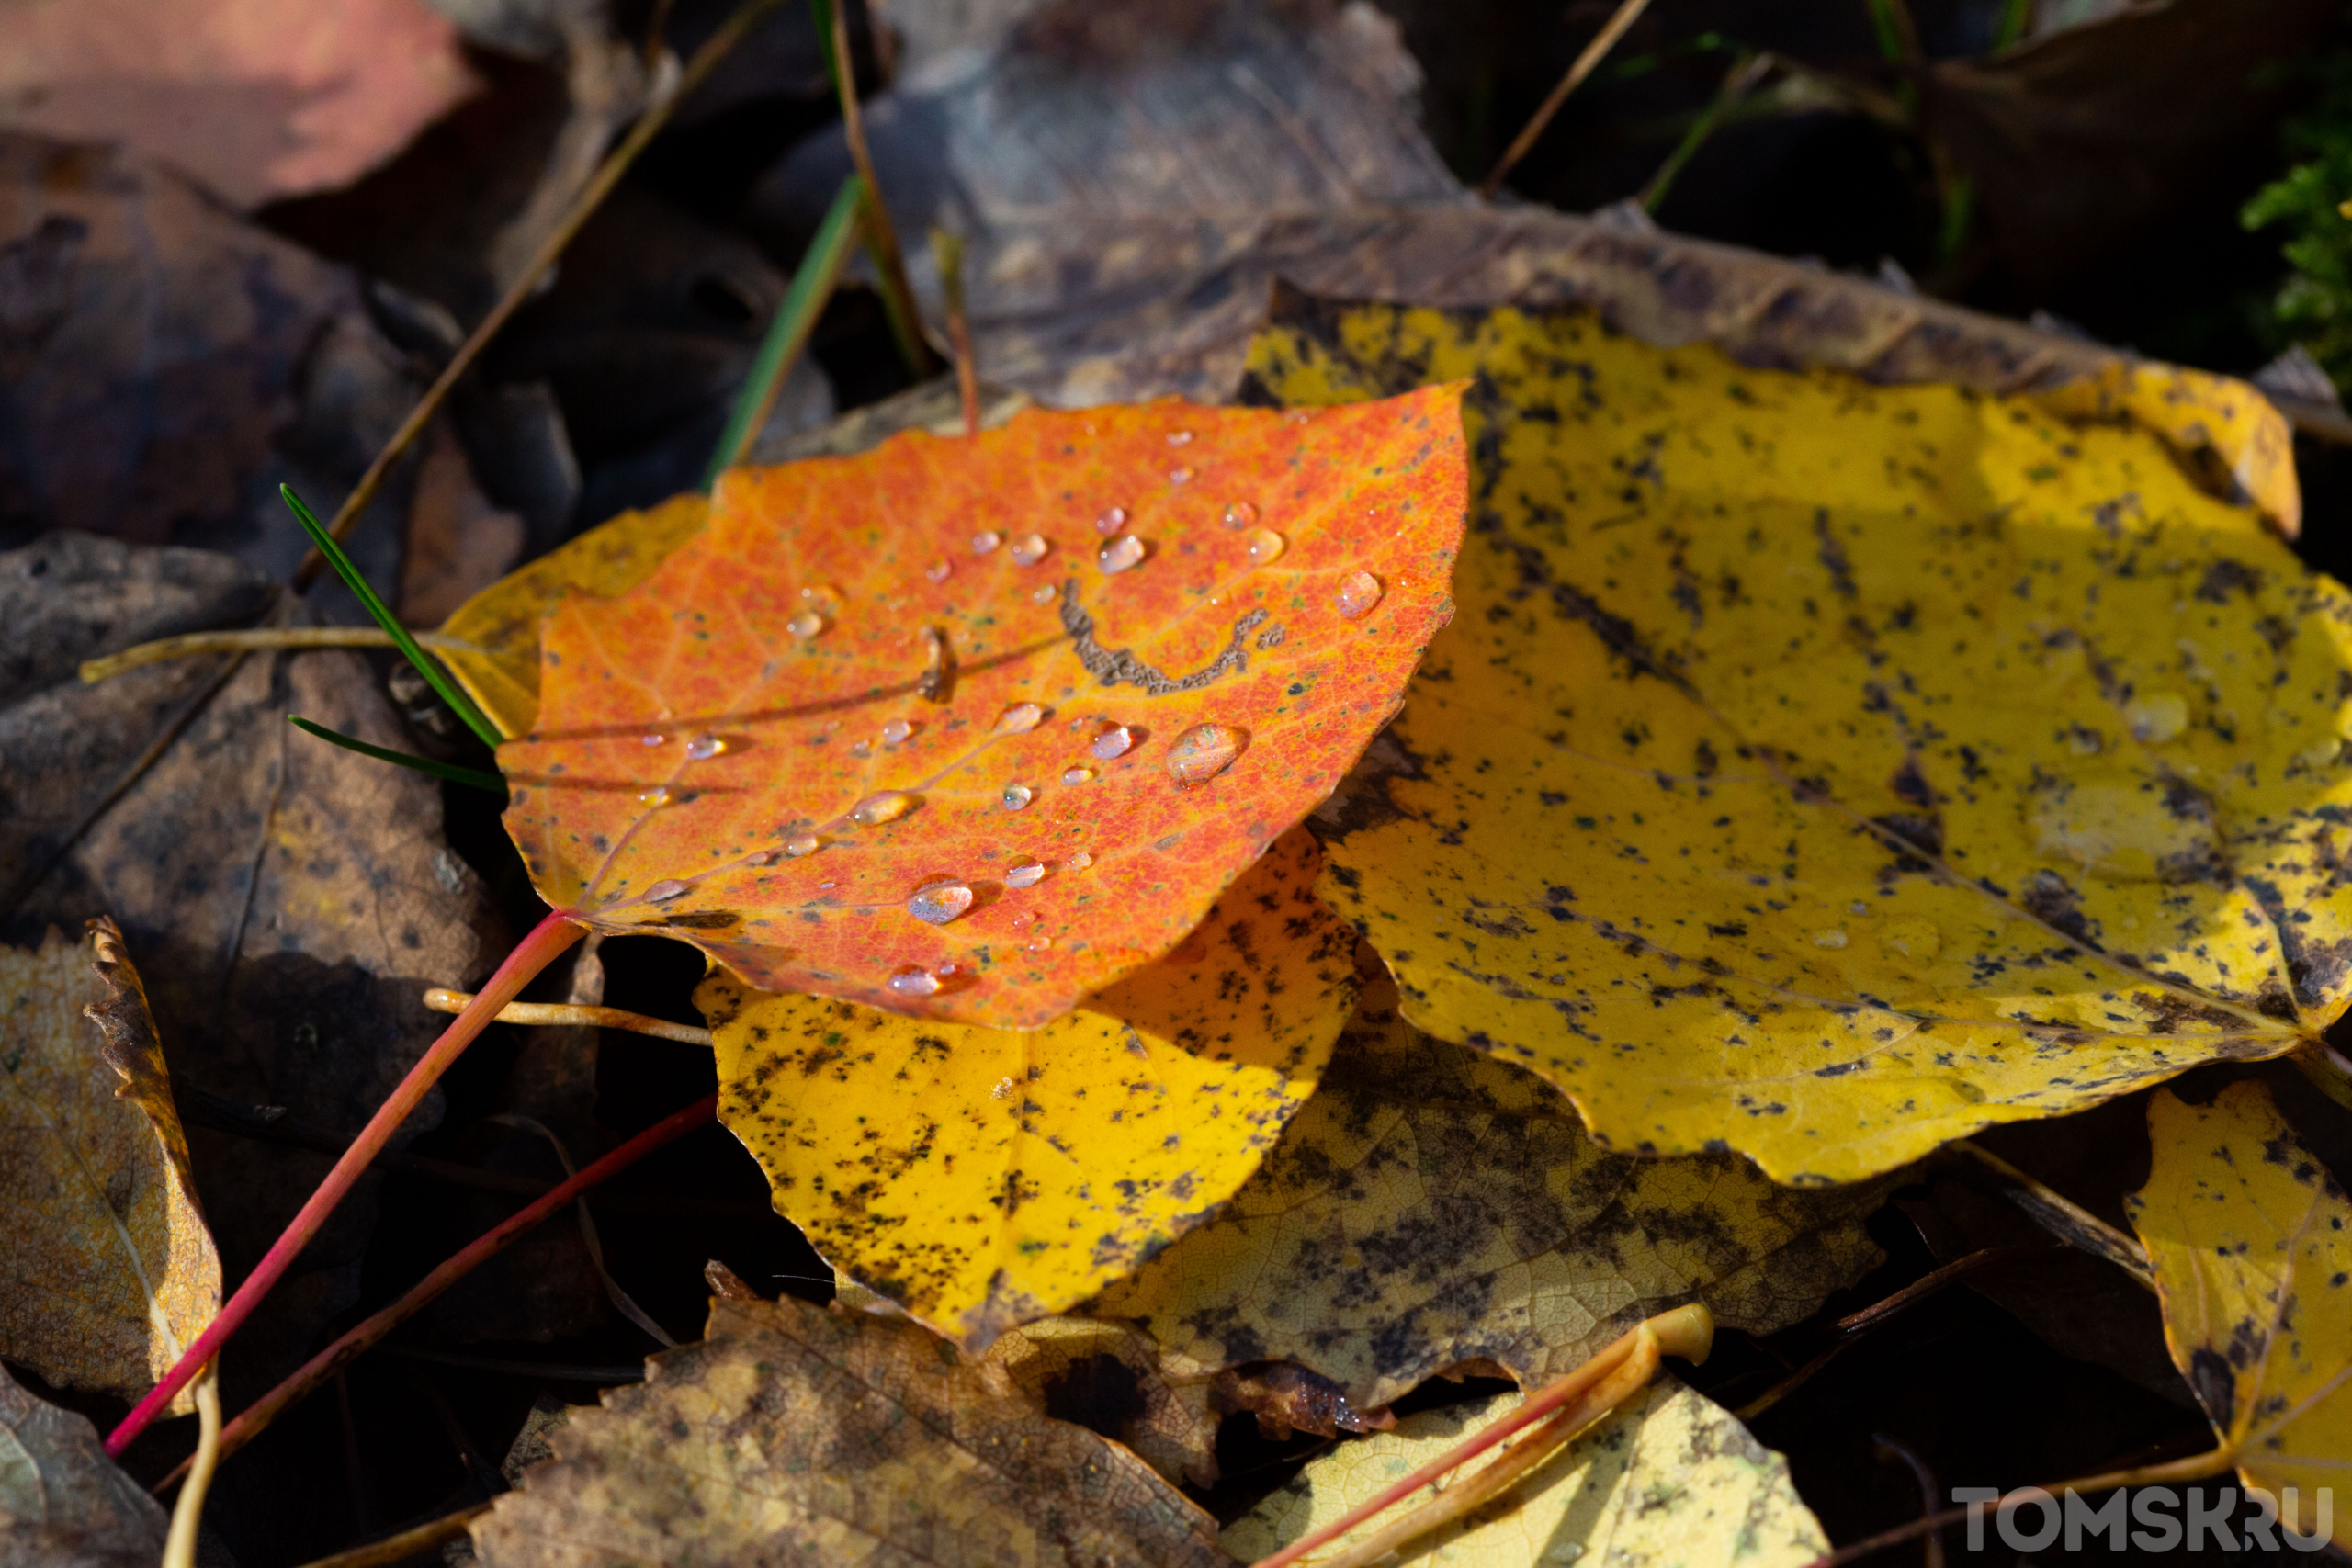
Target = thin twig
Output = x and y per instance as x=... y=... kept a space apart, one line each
x=1628 y=11
x=407 y=1544
x=2062 y=1216
x=188 y=1510
x=547 y=940
x=1739 y=82
x=1853 y=1326
x=1931 y=1492
x=881 y=236
x=318 y=1369
x=1686 y=1332
x=616 y=165
x=947 y=250
x=441 y=999
x=258 y=639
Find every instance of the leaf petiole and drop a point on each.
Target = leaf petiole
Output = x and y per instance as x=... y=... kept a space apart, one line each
x=459 y=704
x=450 y=771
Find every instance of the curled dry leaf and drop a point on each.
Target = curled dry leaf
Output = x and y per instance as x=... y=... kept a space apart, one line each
x=1668 y=1477
x=107 y=1268
x=1830 y=771
x=1431 y=1206
x=833 y=736
x=793 y=1432
x=2251 y=1240
x=62 y=1503
x=981 y=1177
x=1111 y=1379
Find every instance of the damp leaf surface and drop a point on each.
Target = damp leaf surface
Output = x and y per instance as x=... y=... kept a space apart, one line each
x=110 y=1270
x=1669 y=1477
x=499 y=665
x=793 y=1433
x=1827 y=771
x=982 y=1177
x=1433 y=1206
x=829 y=736
x=2251 y=1241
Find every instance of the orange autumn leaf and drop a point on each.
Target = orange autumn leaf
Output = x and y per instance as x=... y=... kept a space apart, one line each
x=971 y=728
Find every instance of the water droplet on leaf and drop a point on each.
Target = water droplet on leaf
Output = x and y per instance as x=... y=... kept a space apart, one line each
x=861 y=749
x=1029 y=549
x=665 y=889
x=1043 y=594
x=805 y=845
x=1119 y=554
x=654 y=798
x=1359 y=591
x=888 y=806
x=1180 y=437
x=896 y=732
x=1076 y=775
x=653 y=740
x=913 y=982
x=985 y=541
x=1041 y=944
x=1019 y=719
x=1004 y=1089
x=1079 y=860
x=939 y=902
x=1017 y=796
x=759 y=857
x=1203 y=752
x=1026 y=874
x=806 y=625
x=1241 y=514
x=1265 y=545
x=1113 y=742
x=937 y=571
x=1114 y=518
x=703 y=748
x=1179 y=476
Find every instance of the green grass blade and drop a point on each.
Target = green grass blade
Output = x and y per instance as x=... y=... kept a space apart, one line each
x=449 y=770
x=459 y=704
x=812 y=285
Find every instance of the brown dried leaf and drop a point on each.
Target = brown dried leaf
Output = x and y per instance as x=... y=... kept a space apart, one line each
x=107 y=1270
x=793 y=1433
x=1431 y=1206
x=167 y=363
x=290 y=902
x=257 y=98
x=63 y=1502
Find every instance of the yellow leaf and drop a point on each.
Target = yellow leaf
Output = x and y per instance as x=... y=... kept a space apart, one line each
x=2251 y=1240
x=107 y=1270
x=1431 y=1206
x=500 y=670
x=1671 y=1478
x=981 y=1177
x=793 y=1434
x=1828 y=770
x=2212 y=420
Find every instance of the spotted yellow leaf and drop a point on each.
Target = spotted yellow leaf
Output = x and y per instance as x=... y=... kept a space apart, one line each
x=2251 y=1240
x=981 y=1177
x=1433 y=1206
x=1670 y=1479
x=1826 y=770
